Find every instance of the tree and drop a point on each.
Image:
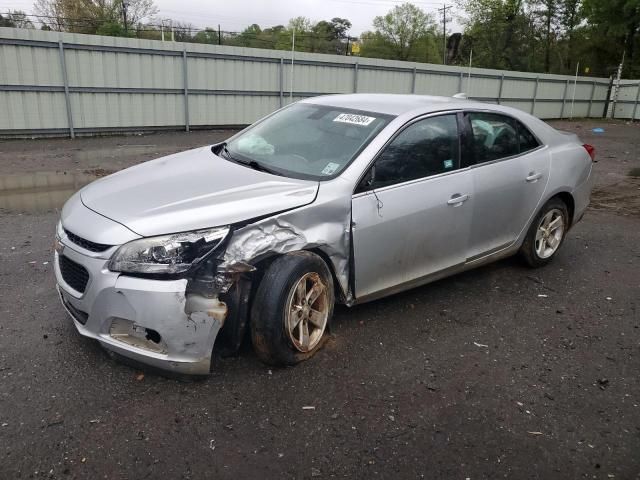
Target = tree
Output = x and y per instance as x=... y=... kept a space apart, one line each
x=570 y=18
x=401 y=29
x=619 y=23
x=208 y=35
x=499 y=33
x=16 y=19
x=340 y=27
x=93 y=16
x=330 y=37
x=255 y=37
x=547 y=11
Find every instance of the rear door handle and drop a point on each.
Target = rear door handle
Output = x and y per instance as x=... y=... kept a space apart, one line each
x=533 y=177
x=458 y=199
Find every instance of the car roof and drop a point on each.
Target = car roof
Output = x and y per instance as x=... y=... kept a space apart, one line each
x=399 y=104
x=388 y=103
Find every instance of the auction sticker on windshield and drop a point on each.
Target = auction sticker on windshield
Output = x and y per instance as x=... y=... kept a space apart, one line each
x=330 y=168
x=354 y=119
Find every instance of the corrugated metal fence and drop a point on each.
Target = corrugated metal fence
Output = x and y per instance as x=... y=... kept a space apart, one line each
x=67 y=84
x=625 y=103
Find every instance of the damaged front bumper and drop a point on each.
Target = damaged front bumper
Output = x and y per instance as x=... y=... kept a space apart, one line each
x=154 y=322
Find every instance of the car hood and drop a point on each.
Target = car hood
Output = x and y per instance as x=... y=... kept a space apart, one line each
x=192 y=190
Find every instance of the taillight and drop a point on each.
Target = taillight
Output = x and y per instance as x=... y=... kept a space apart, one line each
x=590 y=150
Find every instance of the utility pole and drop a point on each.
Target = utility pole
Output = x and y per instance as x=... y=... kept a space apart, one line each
x=293 y=50
x=444 y=31
x=125 y=4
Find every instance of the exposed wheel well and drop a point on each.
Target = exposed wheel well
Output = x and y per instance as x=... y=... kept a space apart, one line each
x=264 y=264
x=567 y=198
x=339 y=294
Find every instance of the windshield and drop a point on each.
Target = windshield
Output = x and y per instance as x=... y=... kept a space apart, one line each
x=307 y=141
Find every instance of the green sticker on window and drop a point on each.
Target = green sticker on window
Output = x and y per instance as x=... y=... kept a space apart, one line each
x=448 y=164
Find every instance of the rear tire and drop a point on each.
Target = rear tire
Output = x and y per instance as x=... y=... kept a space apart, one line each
x=546 y=234
x=292 y=309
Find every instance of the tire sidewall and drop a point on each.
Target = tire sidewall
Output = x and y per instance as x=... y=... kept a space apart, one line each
x=268 y=323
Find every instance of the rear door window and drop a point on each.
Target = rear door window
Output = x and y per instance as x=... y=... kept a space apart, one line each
x=494 y=137
x=526 y=139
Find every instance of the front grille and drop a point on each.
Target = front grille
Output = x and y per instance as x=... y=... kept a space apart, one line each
x=74 y=274
x=86 y=244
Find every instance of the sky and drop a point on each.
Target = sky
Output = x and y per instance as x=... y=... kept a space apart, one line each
x=235 y=15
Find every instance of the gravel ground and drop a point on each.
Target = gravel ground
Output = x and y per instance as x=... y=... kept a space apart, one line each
x=498 y=372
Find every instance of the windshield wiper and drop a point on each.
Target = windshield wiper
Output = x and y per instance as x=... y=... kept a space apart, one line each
x=260 y=167
x=250 y=163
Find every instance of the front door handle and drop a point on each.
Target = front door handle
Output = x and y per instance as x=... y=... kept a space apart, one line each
x=458 y=199
x=533 y=177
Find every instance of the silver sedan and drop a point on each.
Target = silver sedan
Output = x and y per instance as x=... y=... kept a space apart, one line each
x=343 y=198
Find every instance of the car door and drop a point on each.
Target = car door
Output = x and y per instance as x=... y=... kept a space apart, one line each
x=411 y=211
x=510 y=170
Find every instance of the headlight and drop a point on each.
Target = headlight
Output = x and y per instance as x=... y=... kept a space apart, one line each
x=169 y=254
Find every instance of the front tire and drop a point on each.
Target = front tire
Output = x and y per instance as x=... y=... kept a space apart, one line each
x=546 y=234
x=292 y=309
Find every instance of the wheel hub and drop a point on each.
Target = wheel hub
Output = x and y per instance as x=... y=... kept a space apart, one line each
x=549 y=234
x=307 y=312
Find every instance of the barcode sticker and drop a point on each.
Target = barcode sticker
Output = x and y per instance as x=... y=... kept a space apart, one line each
x=330 y=168
x=354 y=119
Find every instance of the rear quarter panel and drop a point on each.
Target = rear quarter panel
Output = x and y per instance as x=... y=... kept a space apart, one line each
x=571 y=171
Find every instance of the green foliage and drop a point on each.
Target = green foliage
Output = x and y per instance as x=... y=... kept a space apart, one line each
x=530 y=35
x=553 y=35
x=99 y=17
x=208 y=35
x=112 y=29
x=16 y=19
x=321 y=37
x=405 y=33
x=614 y=27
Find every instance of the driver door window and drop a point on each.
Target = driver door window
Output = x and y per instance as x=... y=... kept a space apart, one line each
x=425 y=148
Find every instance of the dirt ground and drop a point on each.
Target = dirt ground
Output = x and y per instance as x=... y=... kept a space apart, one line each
x=498 y=372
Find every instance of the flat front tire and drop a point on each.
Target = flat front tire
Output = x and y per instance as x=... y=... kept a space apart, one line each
x=292 y=309
x=546 y=233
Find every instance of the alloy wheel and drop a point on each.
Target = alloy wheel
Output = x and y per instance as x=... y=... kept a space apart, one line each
x=307 y=312
x=549 y=233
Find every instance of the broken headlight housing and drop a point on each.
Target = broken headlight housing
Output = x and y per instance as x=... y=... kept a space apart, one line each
x=167 y=254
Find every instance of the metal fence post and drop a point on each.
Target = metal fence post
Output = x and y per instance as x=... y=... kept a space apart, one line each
x=281 y=82
x=535 y=95
x=593 y=91
x=186 y=89
x=63 y=66
x=500 y=89
x=564 y=98
x=355 y=77
x=635 y=107
x=413 y=80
